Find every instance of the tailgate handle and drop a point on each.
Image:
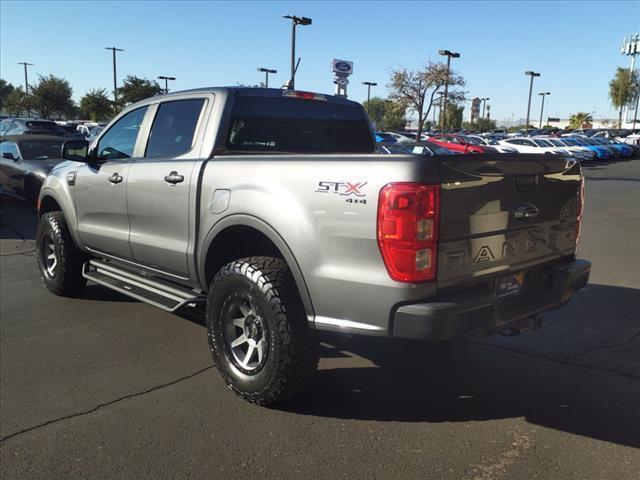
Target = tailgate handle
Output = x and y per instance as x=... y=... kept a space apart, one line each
x=526 y=183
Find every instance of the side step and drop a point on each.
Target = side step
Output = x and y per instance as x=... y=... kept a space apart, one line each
x=160 y=294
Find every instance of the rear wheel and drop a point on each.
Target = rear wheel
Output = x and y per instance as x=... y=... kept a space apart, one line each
x=258 y=331
x=59 y=259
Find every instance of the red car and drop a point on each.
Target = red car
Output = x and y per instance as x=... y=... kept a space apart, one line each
x=460 y=144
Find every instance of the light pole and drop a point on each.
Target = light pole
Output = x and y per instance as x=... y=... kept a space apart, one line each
x=26 y=81
x=166 y=82
x=635 y=114
x=531 y=74
x=115 y=84
x=266 y=71
x=449 y=55
x=484 y=104
x=369 y=85
x=543 y=94
x=295 y=21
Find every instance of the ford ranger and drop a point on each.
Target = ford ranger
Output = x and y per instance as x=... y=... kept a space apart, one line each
x=270 y=207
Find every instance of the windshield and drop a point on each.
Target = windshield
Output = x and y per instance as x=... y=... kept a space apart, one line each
x=473 y=140
x=286 y=125
x=41 y=149
x=556 y=143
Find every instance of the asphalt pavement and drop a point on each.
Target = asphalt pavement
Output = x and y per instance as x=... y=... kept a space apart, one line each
x=106 y=387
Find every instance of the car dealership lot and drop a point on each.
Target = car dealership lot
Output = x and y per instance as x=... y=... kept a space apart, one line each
x=106 y=387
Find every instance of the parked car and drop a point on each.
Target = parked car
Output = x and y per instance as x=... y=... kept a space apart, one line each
x=25 y=162
x=600 y=151
x=30 y=126
x=480 y=140
x=383 y=137
x=270 y=207
x=625 y=150
x=581 y=153
x=432 y=149
x=533 y=145
x=401 y=137
x=393 y=148
x=460 y=143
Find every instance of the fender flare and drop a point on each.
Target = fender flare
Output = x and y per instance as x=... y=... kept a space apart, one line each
x=269 y=232
x=70 y=219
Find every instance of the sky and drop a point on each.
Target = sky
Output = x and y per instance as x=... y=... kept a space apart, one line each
x=575 y=45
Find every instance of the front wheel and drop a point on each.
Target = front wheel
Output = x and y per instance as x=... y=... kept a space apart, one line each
x=59 y=259
x=258 y=331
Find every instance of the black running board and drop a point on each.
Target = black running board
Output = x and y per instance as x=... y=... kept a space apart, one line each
x=160 y=294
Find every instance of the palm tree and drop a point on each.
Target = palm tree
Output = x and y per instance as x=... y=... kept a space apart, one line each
x=578 y=120
x=622 y=90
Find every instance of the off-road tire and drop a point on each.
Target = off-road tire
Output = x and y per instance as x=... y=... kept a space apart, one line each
x=292 y=356
x=67 y=280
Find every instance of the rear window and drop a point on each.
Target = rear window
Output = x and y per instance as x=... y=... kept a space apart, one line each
x=40 y=125
x=286 y=125
x=41 y=149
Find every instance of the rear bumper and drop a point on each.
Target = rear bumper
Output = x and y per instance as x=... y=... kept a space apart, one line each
x=478 y=311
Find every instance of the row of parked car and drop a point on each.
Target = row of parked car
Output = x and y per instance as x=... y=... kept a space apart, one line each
x=577 y=146
x=35 y=126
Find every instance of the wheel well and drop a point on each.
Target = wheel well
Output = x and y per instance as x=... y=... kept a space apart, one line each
x=237 y=242
x=48 y=204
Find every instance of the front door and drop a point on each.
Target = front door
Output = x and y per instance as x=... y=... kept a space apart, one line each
x=101 y=193
x=162 y=188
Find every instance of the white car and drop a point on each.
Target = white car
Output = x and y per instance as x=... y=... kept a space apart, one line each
x=533 y=145
x=401 y=138
x=581 y=153
x=491 y=142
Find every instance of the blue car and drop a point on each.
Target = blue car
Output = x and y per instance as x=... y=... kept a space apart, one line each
x=382 y=137
x=602 y=152
x=625 y=150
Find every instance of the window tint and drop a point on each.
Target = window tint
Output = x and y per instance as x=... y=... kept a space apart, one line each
x=286 y=125
x=120 y=140
x=41 y=149
x=173 y=128
x=9 y=147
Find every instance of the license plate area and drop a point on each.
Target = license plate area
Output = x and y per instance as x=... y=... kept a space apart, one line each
x=509 y=285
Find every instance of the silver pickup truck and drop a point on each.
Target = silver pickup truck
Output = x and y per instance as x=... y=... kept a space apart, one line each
x=270 y=207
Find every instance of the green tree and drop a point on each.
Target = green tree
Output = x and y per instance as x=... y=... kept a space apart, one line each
x=386 y=114
x=15 y=102
x=485 y=124
x=96 y=105
x=454 y=115
x=135 y=89
x=580 y=120
x=51 y=96
x=416 y=90
x=623 y=90
x=5 y=90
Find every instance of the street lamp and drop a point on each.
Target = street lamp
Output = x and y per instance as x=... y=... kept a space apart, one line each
x=544 y=94
x=449 y=55
x=266 y=71
x=295 y=21
x=26 y=82
x=115 y=87
x=166 y=82
x=484 y=104
x=531 y=74
x=369 y=85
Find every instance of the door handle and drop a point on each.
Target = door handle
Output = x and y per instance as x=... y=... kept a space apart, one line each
x=173 y=178
x=115 y=178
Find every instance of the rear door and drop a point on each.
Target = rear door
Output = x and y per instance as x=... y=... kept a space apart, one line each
x=162 y=186
x=505 y=215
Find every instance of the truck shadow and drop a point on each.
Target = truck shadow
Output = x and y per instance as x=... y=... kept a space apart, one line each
x=477 y=380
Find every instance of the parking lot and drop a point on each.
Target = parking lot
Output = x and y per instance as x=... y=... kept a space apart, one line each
x=106 y=387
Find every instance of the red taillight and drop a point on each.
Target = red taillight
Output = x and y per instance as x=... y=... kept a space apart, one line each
x=580 y=210
x=408 y=218
x=303 y=95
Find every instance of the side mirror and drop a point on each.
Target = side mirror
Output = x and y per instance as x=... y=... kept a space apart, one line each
x=9 y=156
x=75 y=150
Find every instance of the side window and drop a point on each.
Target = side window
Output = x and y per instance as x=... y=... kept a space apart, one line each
x=173 y=128
x=9 y=147
x=120 y=140
x=529 y=143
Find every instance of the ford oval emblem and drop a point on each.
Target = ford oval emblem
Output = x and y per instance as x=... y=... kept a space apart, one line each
x=343 y=67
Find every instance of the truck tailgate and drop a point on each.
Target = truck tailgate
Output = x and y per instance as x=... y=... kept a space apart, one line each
x=505 y=213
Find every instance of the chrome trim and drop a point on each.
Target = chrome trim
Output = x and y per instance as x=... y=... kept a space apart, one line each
x=334 y=322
